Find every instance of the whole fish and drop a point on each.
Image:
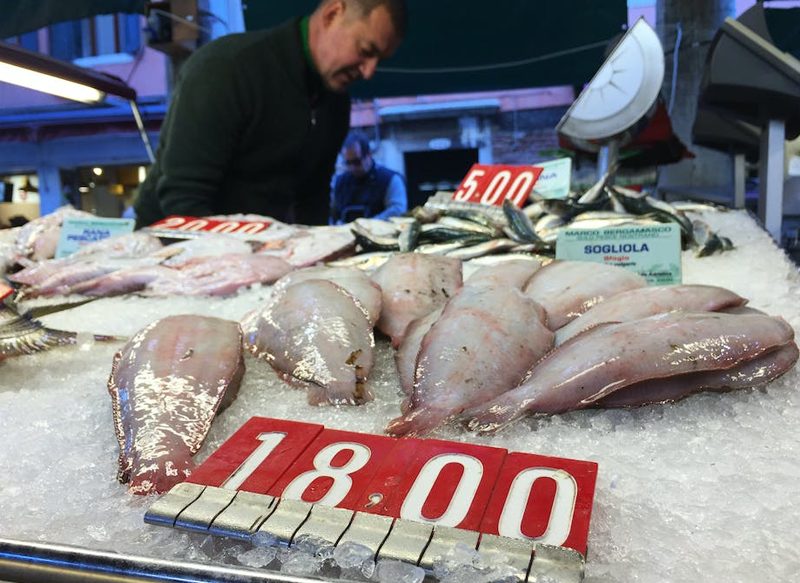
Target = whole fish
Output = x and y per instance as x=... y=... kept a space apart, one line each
x=484 y=342
x=412 y=285
x=315 y=332
x=22 y=334
x=354 y=281
x=647 y=301
x=752 y=373
x=514 y=273
x=566 y=289
x=219 y=275
x=166 y=385
x=612 y=357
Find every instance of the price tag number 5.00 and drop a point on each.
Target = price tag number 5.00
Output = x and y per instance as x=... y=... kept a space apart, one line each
x=492 y=185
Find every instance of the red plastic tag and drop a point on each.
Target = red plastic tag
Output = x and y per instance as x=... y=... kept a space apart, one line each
x=473 y=487
x=254 y=457
x=493 y=183
x=5 y=291
x=545 y=499
x=335 y=468
x=194 y=224
x=440 y=482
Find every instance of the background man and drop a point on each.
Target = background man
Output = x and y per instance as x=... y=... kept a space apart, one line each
x=257 y=119
x=365 y=188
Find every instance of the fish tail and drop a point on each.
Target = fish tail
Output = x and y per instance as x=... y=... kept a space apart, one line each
x=417 y=422
x=161 y=476
x=490 y=418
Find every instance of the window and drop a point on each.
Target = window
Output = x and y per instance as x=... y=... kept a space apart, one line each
x=107 y=34
x=29 y=40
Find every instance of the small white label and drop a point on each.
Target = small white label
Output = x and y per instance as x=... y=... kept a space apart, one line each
x=555 y=179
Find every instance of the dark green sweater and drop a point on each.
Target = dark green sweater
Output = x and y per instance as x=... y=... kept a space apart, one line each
x=250 y=129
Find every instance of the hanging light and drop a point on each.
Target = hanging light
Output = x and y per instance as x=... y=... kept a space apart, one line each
x=33 y=70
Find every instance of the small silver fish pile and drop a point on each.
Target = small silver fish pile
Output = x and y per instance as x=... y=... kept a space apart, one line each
x=468 y=230
x=22 y=333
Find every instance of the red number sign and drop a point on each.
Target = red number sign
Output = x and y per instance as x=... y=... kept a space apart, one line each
x=334 y=469
x=178 y=223
x=256 y=455
x=440 y=482
x=5 y=291
x=492 y=184
x=542 y=498
x=446 y=483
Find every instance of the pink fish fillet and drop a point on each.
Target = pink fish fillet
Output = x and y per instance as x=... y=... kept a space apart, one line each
x=414 y=284
x=611 y=357
x=485 y=341
x=353 y=280
x=315 y=332
x=166 y=385
x=647 y=301
x=752 y=373
x=566 y=289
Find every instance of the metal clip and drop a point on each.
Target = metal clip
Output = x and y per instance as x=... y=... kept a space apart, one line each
x=407 y=541
x=517 y=553
x=286 y=519
x=445 y=538
x=553 y=563
x=244 y=515
x=326 y=522
x=369 y=530
x=201 y=513
x=166 y=509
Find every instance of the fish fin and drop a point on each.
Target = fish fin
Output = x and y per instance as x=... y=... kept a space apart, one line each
x=417 y=422
x=157 y=478
x=489 y=418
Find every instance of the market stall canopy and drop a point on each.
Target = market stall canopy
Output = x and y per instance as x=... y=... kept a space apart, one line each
x=20 y=17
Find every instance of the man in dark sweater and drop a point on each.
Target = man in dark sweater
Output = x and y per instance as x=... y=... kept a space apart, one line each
x=257 y=119
x=365 y=188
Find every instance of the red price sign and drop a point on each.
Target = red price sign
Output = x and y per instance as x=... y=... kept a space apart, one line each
x=445 y=483
x=194 y=224
x=5 y=291
x=545 y=499
x=256 y=455
x=493 y=183
x=439 y=482
x=334 y=469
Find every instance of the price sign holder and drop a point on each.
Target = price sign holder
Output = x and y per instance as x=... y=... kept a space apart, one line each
x=491 y=184
x=405 y=499
x=184 y=226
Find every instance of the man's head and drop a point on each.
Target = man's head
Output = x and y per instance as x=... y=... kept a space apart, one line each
x=356 y=154
x=349 y=37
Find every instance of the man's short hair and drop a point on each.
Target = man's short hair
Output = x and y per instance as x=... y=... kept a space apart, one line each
x=396 y=8
x=356 y=137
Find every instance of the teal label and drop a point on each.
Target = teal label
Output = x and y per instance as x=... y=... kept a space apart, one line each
x=77 y=232
x=651 y=251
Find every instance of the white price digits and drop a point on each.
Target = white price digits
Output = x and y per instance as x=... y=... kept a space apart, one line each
x=172 y=223
x=225 y=227
x=518 y=500
x=496 y=187
x=342 y=482
x=521 y=187
x=470 y=184
x=461 y=499
x=195 y=225
x=269 y=441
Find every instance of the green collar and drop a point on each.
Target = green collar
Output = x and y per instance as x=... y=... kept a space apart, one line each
x=306 y=45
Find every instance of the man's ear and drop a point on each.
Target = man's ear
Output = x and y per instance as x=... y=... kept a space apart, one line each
x=332 y=10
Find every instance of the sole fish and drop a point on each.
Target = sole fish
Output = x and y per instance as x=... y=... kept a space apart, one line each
x=606 y=359
x=167 y=384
